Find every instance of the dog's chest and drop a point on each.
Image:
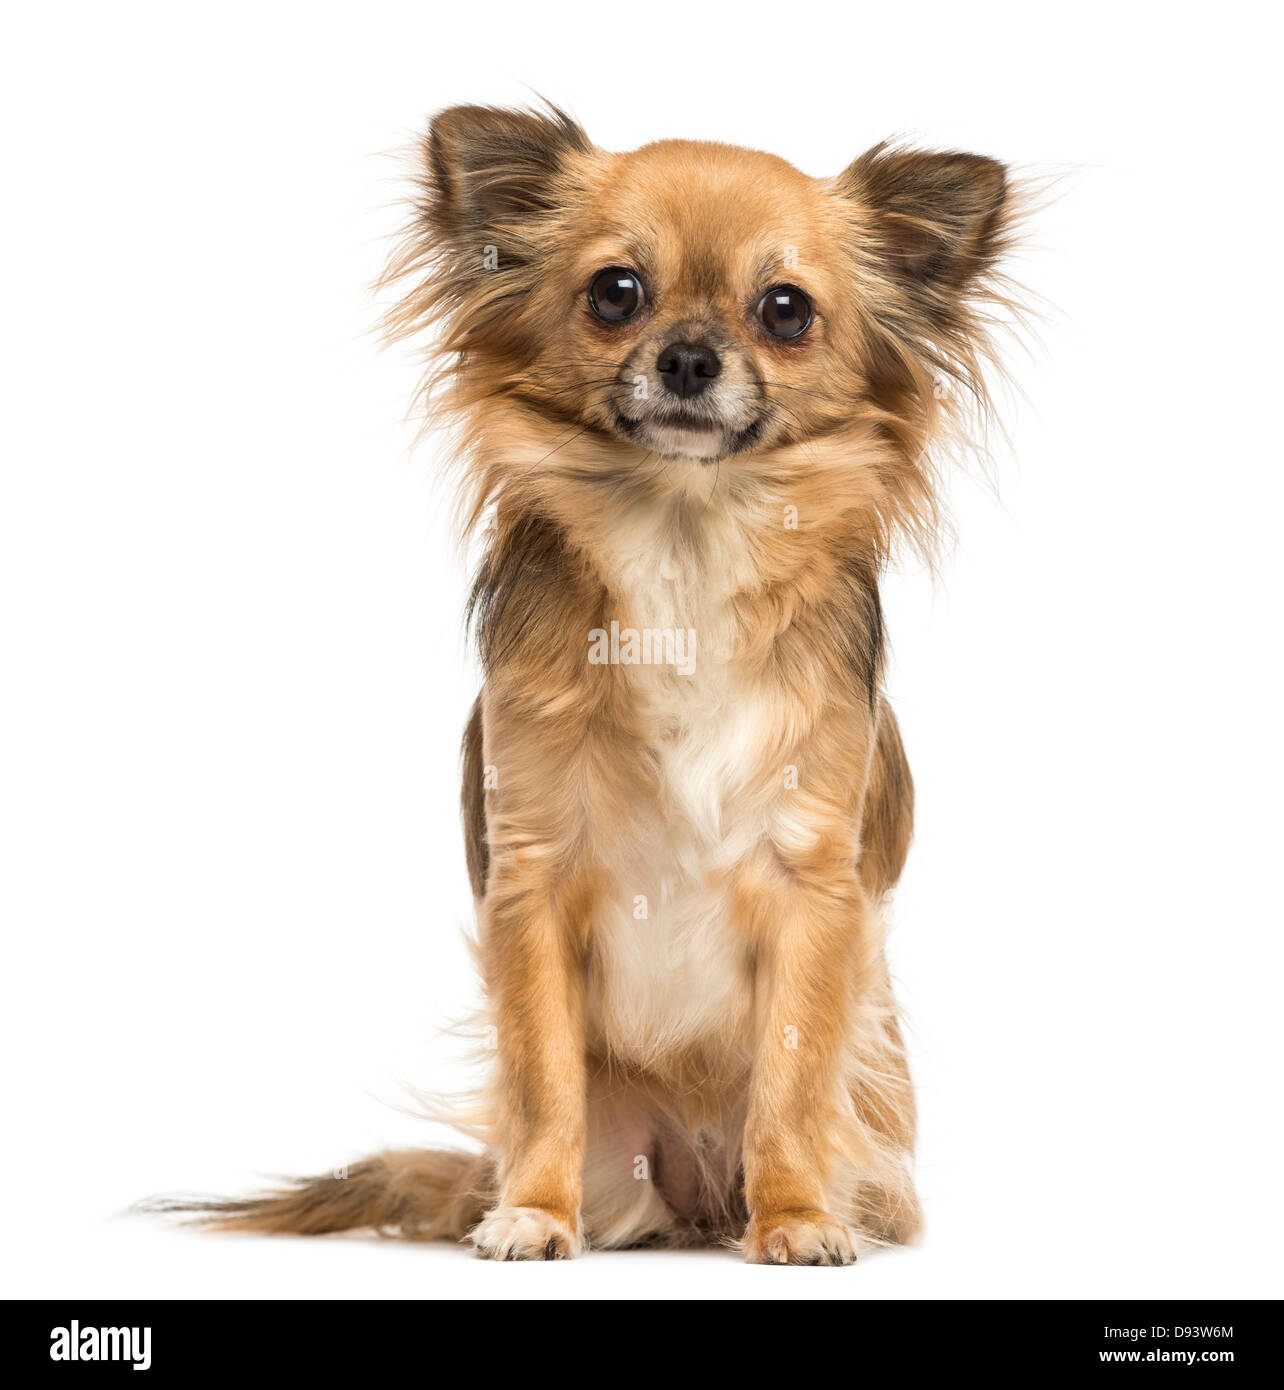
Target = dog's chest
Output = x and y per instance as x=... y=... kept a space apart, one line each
x=669 y=967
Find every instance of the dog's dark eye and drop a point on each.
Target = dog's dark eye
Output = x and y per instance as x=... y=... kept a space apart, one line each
x=785 y=312
x=616 y=294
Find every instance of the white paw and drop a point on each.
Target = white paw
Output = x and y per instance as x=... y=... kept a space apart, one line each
x=525 y=1233
x=801 y=1238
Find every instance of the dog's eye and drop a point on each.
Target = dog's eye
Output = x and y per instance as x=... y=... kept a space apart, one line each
x=616 y=294
x=785 y=311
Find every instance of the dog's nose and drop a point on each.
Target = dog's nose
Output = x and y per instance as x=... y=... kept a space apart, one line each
x=686 y=368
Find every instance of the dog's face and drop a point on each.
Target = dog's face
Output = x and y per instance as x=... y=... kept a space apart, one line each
x=704 y=308
x=700 y=301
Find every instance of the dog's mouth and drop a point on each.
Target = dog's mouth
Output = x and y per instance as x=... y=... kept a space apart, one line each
x=682 y=436
x=687 y=435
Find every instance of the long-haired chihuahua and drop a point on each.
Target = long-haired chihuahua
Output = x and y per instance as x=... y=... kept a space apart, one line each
x=700 y=397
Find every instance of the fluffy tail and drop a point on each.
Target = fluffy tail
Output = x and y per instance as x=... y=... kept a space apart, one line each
x=413 y=1194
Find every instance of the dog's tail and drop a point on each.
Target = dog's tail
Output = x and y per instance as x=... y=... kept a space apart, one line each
x=413 y=1194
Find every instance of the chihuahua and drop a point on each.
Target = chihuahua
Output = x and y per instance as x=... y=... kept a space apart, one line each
x=700 y=397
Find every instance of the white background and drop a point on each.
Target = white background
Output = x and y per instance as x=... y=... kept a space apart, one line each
x=234 y=677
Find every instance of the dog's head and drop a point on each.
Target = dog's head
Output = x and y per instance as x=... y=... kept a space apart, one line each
x=701 y=301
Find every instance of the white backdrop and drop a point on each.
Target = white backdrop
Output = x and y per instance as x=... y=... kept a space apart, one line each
x=234 y=677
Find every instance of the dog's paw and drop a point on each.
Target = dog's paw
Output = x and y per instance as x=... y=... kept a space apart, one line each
x=525 y=1233
x=800 y=1238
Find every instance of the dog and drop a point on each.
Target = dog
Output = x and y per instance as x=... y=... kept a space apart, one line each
x=700 y=399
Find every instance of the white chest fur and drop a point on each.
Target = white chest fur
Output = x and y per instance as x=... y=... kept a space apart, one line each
x=669 y=967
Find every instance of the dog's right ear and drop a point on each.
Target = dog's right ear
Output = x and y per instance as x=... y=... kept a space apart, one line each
x=489 y=167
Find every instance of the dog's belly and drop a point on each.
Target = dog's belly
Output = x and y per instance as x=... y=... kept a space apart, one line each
x=668 y=967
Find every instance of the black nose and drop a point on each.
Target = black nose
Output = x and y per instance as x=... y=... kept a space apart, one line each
x=686 y=369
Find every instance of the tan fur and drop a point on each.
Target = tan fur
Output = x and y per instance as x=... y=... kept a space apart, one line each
x=726 y=1065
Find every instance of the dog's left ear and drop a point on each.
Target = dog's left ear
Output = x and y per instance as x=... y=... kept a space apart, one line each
x=937 y=219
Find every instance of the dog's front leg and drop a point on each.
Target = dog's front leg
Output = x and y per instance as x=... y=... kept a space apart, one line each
x=534 y=976
x=809 y=946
